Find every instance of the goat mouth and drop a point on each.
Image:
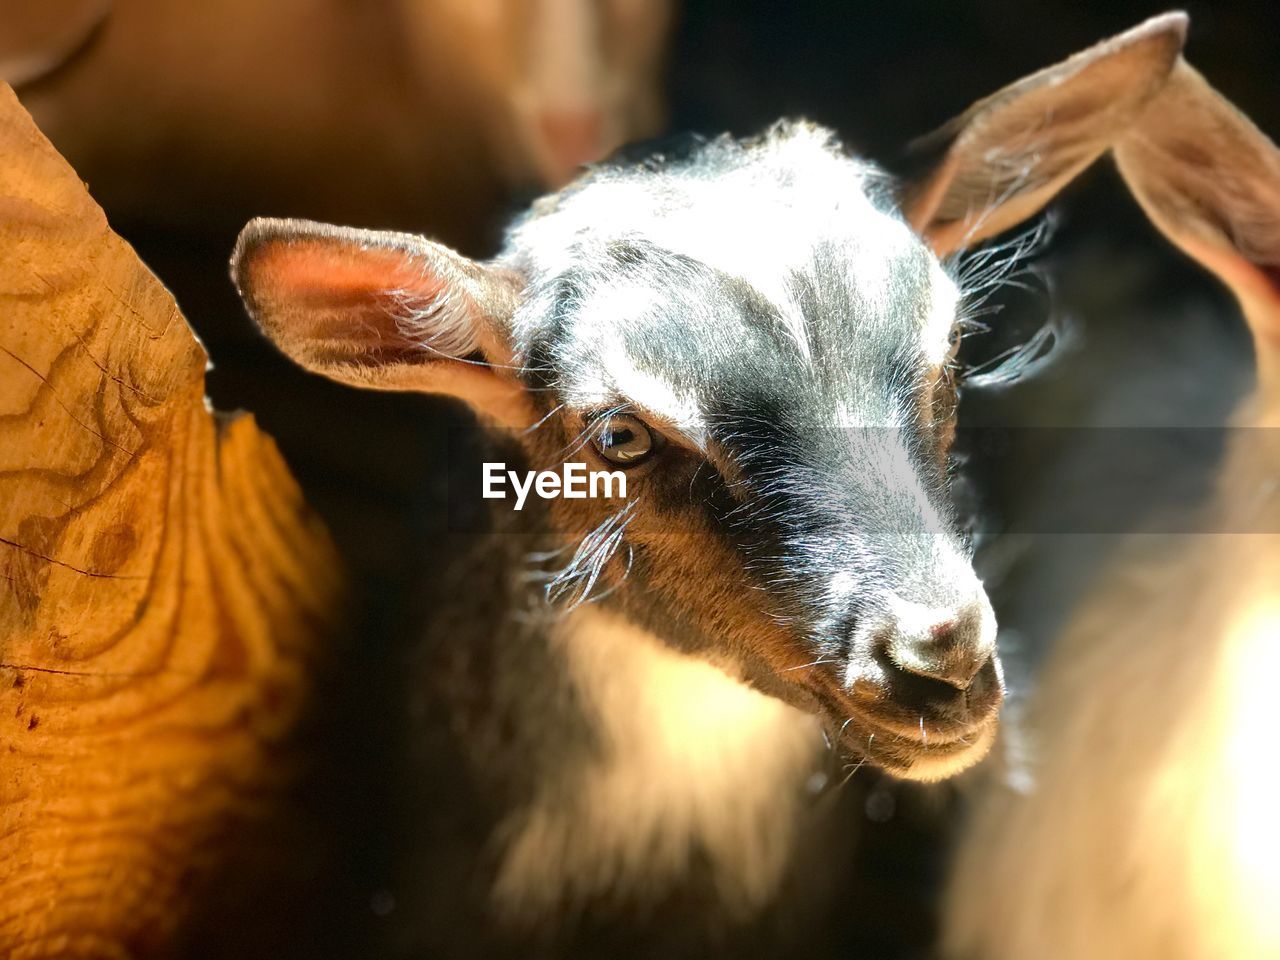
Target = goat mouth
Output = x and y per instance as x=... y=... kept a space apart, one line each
x=924 y=756
x=931 y=748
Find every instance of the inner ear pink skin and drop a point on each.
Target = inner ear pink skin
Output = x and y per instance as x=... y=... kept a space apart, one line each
x=321 y=273
x=1256 y=285
x=298 y=267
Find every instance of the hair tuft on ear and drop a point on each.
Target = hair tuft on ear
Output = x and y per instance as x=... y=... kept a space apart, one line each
x=440 y=322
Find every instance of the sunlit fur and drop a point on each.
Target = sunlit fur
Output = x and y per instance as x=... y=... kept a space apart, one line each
x=1151 y=828
x=805 y=193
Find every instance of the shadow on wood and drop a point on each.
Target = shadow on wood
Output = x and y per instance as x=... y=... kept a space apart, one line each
x=164 y=590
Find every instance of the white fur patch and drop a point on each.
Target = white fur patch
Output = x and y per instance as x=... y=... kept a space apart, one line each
x=795 y=189
x=616 y=377
x=694 y=762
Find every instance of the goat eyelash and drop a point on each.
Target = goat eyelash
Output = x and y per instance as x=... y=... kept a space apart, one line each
x=589 y=428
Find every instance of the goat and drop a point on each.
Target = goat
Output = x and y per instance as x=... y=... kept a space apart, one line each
x=174 y=111
x=1149 y=830
x=761 y=336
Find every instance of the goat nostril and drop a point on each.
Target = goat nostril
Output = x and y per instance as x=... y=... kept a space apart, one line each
x=940 y=631
x=954 y=671
x=952 y=650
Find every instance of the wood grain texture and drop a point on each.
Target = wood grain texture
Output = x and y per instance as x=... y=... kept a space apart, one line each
x=164 y=590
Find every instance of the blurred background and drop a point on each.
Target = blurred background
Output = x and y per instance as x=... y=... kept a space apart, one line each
x=446 y=117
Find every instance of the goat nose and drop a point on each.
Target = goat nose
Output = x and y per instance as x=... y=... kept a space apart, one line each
x=951 y=648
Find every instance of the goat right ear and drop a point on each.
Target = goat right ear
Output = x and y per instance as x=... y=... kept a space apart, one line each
x=1005 y=157
x=385 y=311
x=1210 y=180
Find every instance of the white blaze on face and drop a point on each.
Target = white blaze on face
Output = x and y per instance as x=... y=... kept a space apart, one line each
x=612 y=377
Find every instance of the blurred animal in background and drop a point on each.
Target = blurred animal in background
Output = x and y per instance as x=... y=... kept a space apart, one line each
x=622 y=704
x=574 y=79
x=399 y=112
x=1145 y=823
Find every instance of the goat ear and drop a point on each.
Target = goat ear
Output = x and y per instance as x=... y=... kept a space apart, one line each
x=1210 y=180
x=1005 y=157
x=385 y=311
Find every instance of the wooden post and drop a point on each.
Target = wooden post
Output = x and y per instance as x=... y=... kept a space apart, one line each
x=163 y=588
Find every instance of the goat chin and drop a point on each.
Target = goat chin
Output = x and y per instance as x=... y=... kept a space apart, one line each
x=933 y=770
x=1150 y=828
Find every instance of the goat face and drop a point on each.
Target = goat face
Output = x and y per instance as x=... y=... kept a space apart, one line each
x=773 y=345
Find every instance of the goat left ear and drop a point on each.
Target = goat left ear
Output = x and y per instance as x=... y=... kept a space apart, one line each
x=384 y=311
x=1005 y=157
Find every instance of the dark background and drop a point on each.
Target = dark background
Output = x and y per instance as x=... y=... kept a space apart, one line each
x=1156 y=342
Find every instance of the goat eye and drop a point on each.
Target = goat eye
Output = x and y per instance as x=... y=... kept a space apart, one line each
x=623 y=439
